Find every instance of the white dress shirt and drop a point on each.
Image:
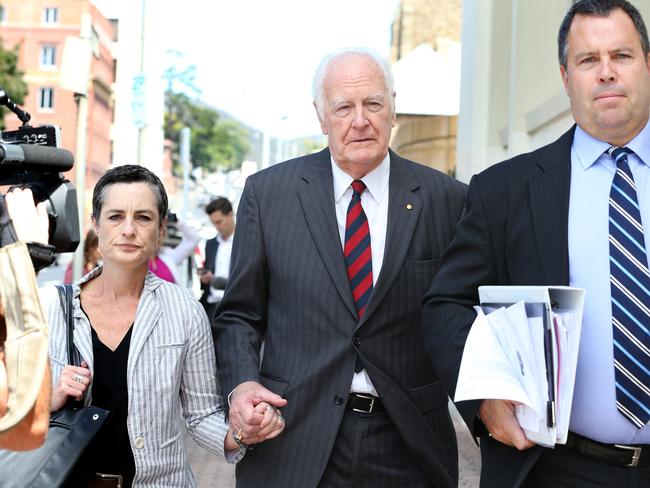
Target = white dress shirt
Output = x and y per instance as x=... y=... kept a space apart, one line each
x=594 y=412
x=374 y=201
x=221 y=266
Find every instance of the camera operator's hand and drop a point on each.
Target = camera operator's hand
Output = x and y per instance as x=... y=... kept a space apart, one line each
x=29 y=220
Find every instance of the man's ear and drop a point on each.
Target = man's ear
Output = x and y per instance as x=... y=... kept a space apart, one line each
x=565 y=78
x=323 y=126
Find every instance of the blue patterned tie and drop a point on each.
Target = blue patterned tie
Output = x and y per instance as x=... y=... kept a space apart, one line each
x=630 y=286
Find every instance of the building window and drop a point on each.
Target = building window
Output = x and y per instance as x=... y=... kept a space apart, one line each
x=94 y=42
x=2 y=14
x=51 y=15
x=48 y=56
x=46 y=98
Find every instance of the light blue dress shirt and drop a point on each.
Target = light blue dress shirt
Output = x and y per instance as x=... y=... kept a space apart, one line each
x=594 y=412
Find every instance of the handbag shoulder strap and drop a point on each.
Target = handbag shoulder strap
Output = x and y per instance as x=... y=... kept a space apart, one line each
x=65 y=300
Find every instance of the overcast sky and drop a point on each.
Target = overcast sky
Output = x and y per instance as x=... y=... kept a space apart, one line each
x=255 y=58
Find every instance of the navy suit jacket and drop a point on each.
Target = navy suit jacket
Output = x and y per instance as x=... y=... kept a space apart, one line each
x=211 y=246
x=513 y=232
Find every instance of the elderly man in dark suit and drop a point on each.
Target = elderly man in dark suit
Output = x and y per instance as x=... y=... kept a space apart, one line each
x=332 y=256
x=574 y=212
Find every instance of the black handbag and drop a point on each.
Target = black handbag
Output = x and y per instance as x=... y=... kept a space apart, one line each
x=71 y=429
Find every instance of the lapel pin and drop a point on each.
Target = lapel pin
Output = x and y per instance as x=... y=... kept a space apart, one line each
x=409 y=206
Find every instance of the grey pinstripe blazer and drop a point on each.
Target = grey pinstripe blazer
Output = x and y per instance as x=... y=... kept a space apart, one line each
x=171 y=371
x=289 y=288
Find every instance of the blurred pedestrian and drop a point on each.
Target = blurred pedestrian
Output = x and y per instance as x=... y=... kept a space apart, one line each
x=216 y=269
x=92 y=257
x=170 y=257
x=145 y=348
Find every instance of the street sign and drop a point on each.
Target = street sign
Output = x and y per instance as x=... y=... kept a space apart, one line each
x=138 y=101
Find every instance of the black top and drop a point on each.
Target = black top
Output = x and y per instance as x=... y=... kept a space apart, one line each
x=110 y=450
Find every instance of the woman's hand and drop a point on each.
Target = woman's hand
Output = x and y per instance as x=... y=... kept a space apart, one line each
x=74 y=381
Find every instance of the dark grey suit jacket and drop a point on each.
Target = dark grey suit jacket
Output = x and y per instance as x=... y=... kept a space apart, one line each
x=513 y=232
x=289 y=288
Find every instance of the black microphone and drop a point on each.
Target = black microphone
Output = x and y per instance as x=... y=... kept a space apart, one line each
x=31 y=156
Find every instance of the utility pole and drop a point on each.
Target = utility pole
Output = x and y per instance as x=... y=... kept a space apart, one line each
x=75 y=71
x=185 y=161
x=141 y=127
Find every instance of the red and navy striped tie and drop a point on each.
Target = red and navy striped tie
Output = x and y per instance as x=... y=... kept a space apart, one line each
x=358 y=257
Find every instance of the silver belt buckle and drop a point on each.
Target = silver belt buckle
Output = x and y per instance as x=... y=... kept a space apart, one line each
x=367 y=397
x=112 y=477
x=636 y=456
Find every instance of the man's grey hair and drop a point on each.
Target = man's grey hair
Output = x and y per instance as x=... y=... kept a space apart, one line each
x=323 y=67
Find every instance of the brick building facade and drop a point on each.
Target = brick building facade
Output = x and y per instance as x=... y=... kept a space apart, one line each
x=423 y=22
x=427 y=139
x=39 y=29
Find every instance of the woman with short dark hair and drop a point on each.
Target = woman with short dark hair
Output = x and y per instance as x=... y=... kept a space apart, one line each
x=147 y=351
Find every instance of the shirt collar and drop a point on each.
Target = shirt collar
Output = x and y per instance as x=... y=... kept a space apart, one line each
x=151 y=281
x=376 y=181
x=221 y=240
x=589 y=149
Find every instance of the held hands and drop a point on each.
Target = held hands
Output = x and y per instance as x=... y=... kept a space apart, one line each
x=74 y=381
x=499 y=418
x=254 y=415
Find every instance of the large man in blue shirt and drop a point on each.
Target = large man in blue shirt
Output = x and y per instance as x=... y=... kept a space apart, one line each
x=543 y=218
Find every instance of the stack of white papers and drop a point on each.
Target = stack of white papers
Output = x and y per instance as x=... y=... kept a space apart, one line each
x=523 y=347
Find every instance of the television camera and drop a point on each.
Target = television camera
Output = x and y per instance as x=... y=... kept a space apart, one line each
x=31 y=157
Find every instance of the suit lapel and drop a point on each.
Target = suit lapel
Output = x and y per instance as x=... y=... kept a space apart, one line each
x=211 y=254
x=147 y=317
x=404 y=206
x=549 y=203
x=316 y=195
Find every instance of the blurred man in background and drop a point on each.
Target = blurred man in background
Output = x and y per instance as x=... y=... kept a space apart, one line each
x=216 y=269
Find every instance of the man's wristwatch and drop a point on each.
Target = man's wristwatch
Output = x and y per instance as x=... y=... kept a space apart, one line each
x=237 y=436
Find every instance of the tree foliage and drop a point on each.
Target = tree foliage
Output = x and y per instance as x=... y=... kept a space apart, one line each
x=11 y=78
x=214 y=144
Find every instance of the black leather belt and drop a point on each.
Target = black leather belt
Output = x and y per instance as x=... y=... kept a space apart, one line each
x=621 y=455
x=362 y=403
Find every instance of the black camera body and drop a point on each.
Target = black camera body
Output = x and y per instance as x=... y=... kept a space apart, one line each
x=173 y=236
x=30 y=157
